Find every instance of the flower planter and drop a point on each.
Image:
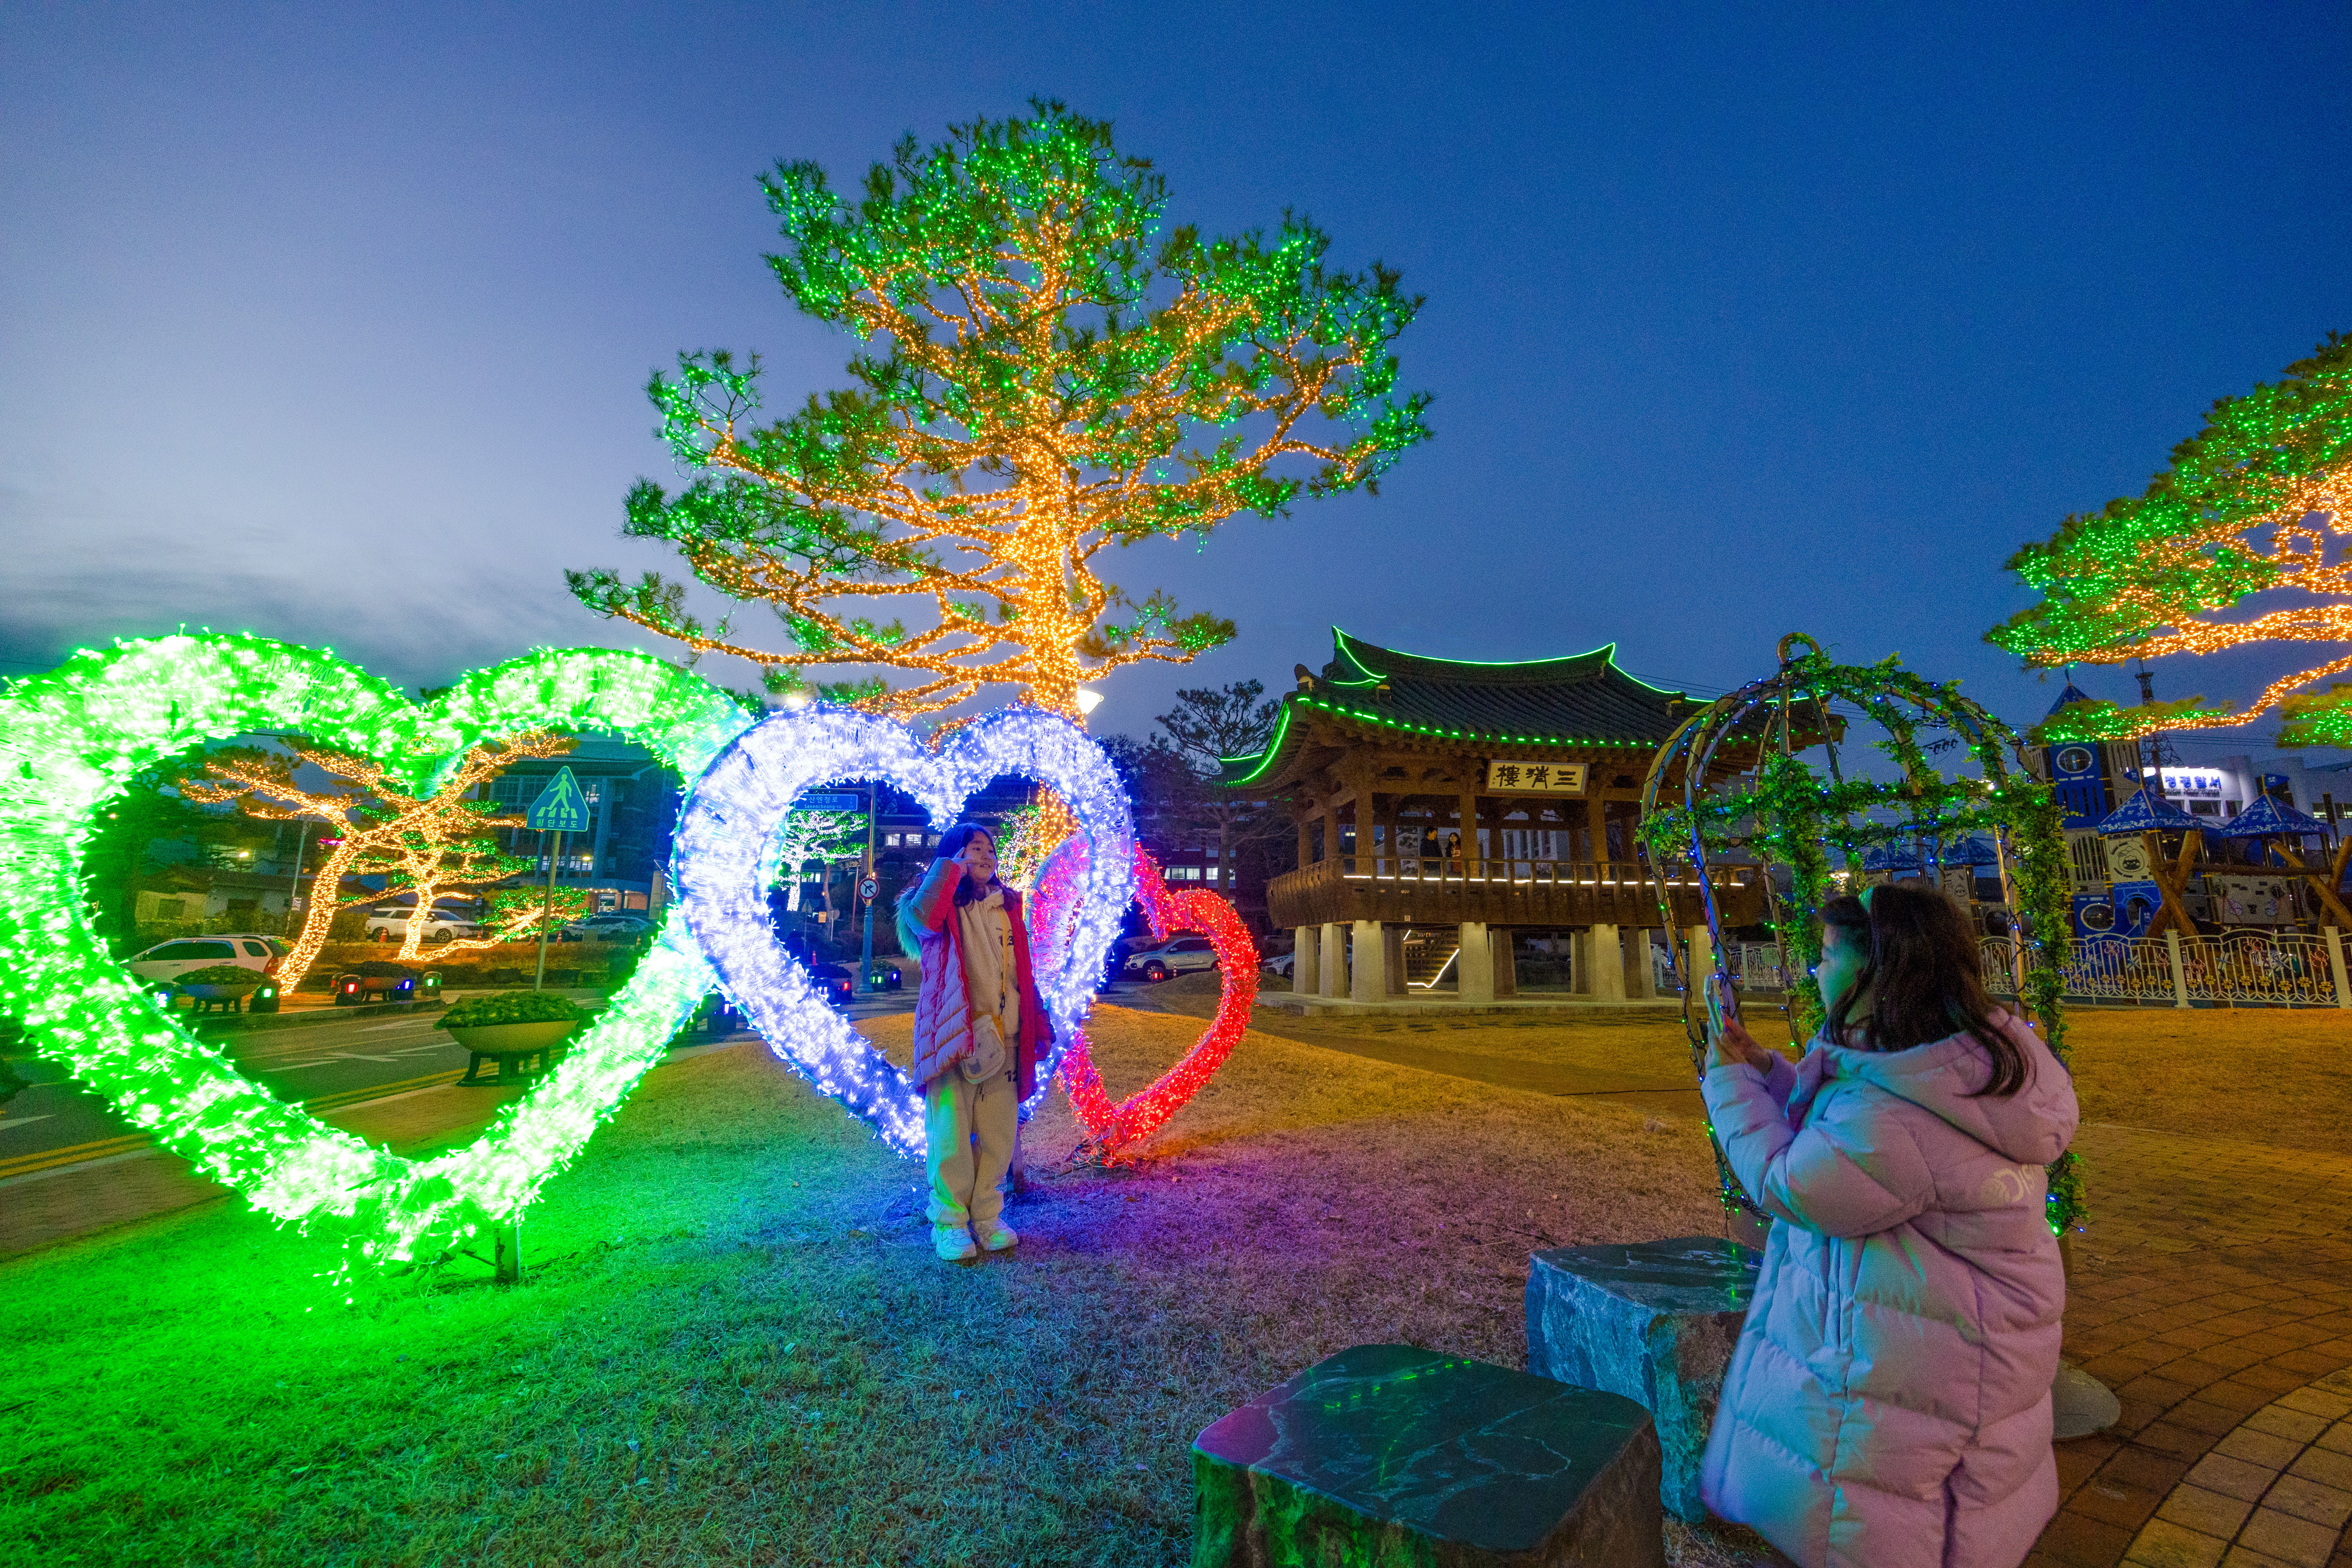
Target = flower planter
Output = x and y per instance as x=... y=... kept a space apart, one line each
x=510 y=1045
x=510 y=1039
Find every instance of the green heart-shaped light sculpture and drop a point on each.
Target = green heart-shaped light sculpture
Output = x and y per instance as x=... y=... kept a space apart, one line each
x=72 y=738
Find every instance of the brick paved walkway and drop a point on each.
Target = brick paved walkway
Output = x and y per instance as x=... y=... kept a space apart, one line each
x=2213 y=1294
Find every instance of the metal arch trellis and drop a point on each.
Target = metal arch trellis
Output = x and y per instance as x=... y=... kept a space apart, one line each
x=1793 y=817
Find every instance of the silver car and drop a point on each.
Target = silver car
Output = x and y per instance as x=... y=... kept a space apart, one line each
x=1181 y=956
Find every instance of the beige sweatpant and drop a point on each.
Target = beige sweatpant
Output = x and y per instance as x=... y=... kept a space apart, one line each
x=970 y=1130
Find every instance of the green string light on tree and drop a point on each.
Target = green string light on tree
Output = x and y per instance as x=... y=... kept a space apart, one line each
x=2260 y=501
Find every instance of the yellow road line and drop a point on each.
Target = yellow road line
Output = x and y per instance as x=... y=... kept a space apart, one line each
x=106 y=1148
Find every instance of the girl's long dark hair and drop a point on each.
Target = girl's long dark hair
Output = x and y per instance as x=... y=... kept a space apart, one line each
x=1922 y=980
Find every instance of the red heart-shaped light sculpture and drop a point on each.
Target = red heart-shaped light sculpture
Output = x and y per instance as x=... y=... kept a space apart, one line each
x=1139 y=1115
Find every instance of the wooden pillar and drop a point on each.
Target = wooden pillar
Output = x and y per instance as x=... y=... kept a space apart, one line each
x=1608 y=966
x=1468 y=806
x=1333 y=980
x=1504 y=942
x=1596 y=821
x=1368 y=974
x=1474 y=966
x=1306 y=835
x=1640 y=969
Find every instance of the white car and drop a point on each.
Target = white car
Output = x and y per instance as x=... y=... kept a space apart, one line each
x=183 y=955
x=389 y=923
x=1280 y=963
x=1183 y=956
x=614 y=927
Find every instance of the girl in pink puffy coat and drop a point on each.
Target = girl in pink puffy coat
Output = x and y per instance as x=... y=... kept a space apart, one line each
x=1888 y=1404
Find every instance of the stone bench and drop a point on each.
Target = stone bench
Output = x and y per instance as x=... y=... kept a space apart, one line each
x=1394 y=1454
x=1655 y=1322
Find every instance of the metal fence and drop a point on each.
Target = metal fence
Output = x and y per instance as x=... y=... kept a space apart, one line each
x=2282 y=969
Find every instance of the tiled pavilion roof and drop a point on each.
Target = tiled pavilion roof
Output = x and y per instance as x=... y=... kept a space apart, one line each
x=1581 y=703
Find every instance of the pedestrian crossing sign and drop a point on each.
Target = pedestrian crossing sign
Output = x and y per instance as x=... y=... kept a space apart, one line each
x=561 y=806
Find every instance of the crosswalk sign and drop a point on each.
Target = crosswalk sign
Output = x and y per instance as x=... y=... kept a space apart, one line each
x=561 y=806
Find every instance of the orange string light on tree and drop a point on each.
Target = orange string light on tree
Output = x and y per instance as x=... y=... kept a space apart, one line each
x=2259 y=502
x=1040 y=380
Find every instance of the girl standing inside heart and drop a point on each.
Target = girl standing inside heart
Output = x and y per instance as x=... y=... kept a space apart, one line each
x=980 y=1029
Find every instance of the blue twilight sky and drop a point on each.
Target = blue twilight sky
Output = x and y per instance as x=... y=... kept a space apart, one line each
x=331 y=322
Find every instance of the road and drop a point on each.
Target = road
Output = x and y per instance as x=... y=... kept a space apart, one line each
x=339 y=1063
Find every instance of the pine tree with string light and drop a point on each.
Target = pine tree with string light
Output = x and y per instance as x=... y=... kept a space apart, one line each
x=1044 y=375
x=2260 y=501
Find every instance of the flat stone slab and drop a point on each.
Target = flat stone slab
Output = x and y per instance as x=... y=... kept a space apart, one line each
x=1393 y=1455
x=1655 y=1322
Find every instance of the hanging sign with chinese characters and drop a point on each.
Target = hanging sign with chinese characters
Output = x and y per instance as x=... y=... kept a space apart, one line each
x=1536 y=778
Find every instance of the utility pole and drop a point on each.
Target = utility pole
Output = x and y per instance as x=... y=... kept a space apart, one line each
x=547 y=913
x=294 y=888
x=867 y=886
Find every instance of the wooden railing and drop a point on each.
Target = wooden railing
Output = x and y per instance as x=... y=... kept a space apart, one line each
x=1429 y=890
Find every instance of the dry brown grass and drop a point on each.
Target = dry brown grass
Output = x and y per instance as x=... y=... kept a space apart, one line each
x=2268 y=1075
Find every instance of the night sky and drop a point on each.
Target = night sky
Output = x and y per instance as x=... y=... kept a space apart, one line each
x=1740 y=321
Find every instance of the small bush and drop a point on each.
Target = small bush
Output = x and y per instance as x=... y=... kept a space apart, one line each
x=510 y=1007
x=229 y=974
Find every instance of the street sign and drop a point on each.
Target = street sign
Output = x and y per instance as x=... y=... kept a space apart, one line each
x=837 y=800
x=561 y=806
x=868 y=888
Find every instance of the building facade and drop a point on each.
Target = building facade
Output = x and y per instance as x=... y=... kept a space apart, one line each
x=1465 y=827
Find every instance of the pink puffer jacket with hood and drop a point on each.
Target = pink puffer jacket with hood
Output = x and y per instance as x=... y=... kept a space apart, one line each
x=1888 y=1404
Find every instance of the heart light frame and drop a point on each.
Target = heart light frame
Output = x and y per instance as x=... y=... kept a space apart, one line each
x=72 y=738
x=725 y=842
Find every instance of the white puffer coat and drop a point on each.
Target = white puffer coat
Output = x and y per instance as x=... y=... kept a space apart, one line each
x=1888 y=1404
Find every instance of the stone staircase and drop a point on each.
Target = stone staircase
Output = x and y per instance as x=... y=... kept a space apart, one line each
x=1429 y=953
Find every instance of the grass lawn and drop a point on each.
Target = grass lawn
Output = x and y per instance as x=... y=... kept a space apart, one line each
x=735 y=1345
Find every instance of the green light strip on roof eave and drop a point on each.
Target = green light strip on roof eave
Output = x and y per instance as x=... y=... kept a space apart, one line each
x=1347 y=645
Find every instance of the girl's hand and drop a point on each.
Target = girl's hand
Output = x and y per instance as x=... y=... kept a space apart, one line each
x=1732 y=1042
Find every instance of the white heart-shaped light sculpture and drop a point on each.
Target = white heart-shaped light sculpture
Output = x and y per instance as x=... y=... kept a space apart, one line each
x=725 y=858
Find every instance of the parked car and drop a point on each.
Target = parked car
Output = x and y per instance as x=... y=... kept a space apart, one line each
x=389 y=923
x=1181 y=956
x=182 y=955
x=616 y=926
x=834 y=980
x=1280 y=963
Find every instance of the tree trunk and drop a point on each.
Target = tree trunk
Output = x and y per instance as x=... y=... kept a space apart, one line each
x=321 y=915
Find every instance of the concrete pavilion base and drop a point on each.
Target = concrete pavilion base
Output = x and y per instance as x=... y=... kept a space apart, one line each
x=1655 y=1322
x=1388 y=1454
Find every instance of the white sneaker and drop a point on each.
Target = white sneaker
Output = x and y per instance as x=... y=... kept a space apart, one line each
x=953 y=1243
x=995 y=1235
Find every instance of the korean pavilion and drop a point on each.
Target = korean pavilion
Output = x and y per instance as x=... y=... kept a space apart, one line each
x=1455 y=817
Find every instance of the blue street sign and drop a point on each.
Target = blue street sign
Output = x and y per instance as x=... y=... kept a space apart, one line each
x=831 y=802
x=561 y=806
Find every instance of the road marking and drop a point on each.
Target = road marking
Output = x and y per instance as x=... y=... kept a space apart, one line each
x=21 y=1121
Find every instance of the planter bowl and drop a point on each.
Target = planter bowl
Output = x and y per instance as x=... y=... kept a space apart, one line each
x=493 y=1039
x=215 y=993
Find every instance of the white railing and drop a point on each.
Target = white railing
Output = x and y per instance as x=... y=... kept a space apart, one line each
x=1754 y=965
x=2288 y=969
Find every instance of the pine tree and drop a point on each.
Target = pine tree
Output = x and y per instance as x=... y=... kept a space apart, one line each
x=2260 y=501
x=1037 y=382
